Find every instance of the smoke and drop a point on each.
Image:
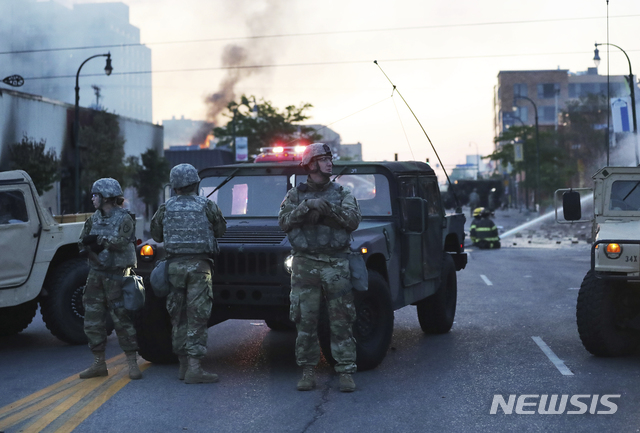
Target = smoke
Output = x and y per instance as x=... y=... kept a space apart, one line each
x=624 y=151
x=253 y=52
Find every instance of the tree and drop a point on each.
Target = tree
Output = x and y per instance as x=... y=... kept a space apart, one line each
x=150 y=177
x=42 y=167
x=268 y=128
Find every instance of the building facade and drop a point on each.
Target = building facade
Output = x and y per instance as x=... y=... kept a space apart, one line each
x=35 y=38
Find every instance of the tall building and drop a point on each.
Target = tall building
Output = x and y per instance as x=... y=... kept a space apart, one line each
x=550 y=90
x=34 y=41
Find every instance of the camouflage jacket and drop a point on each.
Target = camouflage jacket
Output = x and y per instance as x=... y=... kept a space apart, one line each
x=332 y=233
x=116 y=233
x=210 y=214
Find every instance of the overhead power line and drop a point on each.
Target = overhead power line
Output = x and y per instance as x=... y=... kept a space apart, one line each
x=288 y=65
x=326 y=33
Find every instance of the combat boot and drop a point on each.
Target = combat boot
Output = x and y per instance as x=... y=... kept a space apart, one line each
x=184 y=364
x=98 y=368
x=134 y=370
x=308 y=380
x=346 y=383
x=195 y=373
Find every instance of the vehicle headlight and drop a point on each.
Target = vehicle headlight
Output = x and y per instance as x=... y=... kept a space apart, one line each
x=288 y=262
x=613 y=251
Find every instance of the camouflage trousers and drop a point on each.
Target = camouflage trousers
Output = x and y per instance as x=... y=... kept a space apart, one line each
x=311 y=281
x=189 y=305
x=102 y=296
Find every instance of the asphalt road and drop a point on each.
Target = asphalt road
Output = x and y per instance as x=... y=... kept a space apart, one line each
x=511 y=302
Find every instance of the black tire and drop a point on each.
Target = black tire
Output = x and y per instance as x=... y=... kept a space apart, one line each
x=15 y=319
x=603 y=307
x=437 y=312
x=62 y=308
x=373 y=327
x=153 y=329
x=280 y=326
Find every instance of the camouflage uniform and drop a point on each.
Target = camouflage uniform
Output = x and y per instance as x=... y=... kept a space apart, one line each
x=103 y=292
x=189 y=225
x=318 y=270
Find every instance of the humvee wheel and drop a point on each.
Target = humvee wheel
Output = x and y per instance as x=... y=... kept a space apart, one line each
x=15 y=319
x=437 y=312
x=603 y=306
x=62 y=308
x=373 y=326
x=153 y=329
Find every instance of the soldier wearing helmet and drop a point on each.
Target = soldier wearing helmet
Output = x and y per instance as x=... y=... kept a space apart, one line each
x=189 y=224
x=318 y=217
x=107 y=238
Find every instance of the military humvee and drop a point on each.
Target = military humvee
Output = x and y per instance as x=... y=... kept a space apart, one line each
x=411 y=248
x=608 y=310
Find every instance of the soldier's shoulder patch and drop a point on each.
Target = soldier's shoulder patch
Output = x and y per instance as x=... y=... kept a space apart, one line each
x=127 y=227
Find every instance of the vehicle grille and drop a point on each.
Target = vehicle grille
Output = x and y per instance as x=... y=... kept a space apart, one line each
x=243 y=263
x=270 y=236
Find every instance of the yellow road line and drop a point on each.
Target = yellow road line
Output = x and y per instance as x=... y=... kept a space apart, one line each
x=81 y=390
x=94 y=404
x=65 y=397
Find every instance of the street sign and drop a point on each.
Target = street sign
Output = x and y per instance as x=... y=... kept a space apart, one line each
x=621 y=113
x=518 y=152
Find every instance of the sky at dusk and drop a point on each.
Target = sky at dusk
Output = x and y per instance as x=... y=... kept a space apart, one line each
x=443 y=56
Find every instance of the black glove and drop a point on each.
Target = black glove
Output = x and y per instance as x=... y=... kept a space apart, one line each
x=96 y=248
x=90 y=239
x=313 y=216
x=332 y=222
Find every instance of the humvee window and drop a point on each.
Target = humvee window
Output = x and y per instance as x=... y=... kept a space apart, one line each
x=247 y=196
x=12 y=208
x=625 y=195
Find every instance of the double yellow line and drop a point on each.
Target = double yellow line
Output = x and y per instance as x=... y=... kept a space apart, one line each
x=61 y=407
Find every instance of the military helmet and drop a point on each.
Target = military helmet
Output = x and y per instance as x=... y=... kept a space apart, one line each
x=315 y=150
x=183 y=175
x=107 y=188
x=478 y=211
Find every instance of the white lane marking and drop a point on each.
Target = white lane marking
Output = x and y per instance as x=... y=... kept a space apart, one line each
x=553 y=357
x=574 y=288
x=486 y=280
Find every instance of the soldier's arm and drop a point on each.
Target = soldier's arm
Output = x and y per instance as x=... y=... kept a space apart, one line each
x=124 y=237
x=86 y=229
x=156 y=224
x=292 y=214
x=347 y=214
x=215 y=217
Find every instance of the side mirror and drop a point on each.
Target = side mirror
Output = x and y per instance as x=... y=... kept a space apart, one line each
x=571 y=206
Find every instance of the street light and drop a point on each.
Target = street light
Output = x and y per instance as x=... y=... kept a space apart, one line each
x=107 y=70
x=596 y=60
x=535 y=196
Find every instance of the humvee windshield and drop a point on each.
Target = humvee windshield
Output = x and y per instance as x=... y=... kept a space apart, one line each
x=625 y=195
x=261 y=196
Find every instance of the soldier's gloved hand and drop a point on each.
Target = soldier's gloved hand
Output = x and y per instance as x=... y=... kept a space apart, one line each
x=330 y=221
x=96 y=248
x=90 y=239
x=313 y=216
x=320 y=204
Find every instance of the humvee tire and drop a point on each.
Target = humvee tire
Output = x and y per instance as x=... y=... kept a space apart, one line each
x=437 y=312
x=153 y=329
x=15 y=319
x=62 y=308
x=373 y=327
x=600 y=314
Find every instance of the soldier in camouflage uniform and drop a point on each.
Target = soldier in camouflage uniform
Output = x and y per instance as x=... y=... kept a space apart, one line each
x=107 y=238
x=318 y=217
x=189 y=224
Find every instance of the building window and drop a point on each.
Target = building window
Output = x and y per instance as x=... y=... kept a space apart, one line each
x=521 y=113
x=520 y=90
x=548 y=113
x=547 y=91
x=579 y=90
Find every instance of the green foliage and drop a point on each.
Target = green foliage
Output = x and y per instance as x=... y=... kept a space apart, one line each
x=151 y=176
x=268 y=128
x=42 y=167
x=102 y=150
